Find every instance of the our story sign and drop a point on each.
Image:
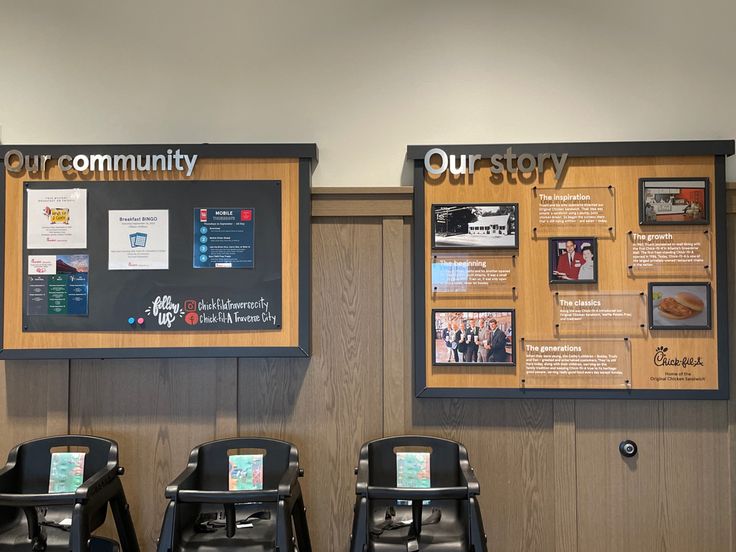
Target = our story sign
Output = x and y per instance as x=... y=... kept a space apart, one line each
x=509 y=162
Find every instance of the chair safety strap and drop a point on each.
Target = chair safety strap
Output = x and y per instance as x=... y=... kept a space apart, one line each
x=209 y=523
x=415 y=523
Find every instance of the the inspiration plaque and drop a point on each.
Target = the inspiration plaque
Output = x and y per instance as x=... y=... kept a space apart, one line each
x=591 y=211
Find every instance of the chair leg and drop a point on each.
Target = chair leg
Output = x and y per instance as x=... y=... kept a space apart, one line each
x=359 y=536
x=80 y=534
x=299 y=514
x=477 y=532
x=124 y=522
x=36 y=534
x=284 y=533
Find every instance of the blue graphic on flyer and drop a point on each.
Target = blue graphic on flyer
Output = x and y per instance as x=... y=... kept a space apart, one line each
x=223 y=237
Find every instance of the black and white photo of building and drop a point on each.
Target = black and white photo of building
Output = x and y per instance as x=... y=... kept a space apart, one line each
x=475 y=226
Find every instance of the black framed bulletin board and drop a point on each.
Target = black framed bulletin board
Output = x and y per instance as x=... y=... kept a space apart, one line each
x=156 y=250
x=580 y=270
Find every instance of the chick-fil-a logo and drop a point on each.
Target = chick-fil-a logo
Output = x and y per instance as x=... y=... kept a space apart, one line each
x=661 y=359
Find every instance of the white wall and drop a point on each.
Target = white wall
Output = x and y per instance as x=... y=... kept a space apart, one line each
x=364 y=78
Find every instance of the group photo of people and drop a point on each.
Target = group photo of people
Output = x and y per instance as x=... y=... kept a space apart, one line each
x=573 y=260
x=474 y=337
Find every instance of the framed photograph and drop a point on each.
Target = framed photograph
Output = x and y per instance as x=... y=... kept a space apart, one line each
x=573 y=260
x=475 y=226
x=679 y=306
x=473 y=337
x=674 y=201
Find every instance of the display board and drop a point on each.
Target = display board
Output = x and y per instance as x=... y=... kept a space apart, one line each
x=121 y=251
x=571 y=270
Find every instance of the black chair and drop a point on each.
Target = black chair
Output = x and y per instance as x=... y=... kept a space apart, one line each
x=204 y=515
x=31 y=518
x=388 y=518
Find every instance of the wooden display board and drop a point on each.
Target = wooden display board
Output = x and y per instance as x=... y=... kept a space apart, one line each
x=182 y=299
x=609 y=281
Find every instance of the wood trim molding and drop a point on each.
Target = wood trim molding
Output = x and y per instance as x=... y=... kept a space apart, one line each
x=362 y=202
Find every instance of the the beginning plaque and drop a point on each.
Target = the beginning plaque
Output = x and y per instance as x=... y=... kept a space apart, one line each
x=476 y=274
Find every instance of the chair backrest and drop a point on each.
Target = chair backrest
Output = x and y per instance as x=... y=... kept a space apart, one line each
x=444 y=467
x=33 y=459
x=213 y=461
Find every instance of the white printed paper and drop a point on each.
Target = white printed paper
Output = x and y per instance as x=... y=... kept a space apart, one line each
x=41 y=264
x=56 y=219
x=139 y=240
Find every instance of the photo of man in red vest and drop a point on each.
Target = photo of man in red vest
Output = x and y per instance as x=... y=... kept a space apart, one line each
x=569 y=263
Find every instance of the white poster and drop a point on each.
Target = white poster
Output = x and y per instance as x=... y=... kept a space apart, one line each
x=41 y=264
x=57 y=219
x=139 y=240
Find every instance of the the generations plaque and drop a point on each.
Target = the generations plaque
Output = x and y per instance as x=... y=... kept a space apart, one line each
x=582 y=363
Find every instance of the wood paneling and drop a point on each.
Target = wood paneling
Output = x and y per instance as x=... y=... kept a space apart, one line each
x=566 y=477
x=511 y=446
x=731 y=197
x=671 y=496
x=396 y=349
x=362 y=202
x=34 y=401
x=157 y=411
x=286 y=170
x=731 y=228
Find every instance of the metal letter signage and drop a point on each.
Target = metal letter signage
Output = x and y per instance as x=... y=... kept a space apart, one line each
x=171 y=160
x=509 y=162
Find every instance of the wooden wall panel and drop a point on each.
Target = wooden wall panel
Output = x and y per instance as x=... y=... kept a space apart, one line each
x=330 y=404
x=157 y=411
x=511 y=447
x=34 y=401
x=358 y=202
x=671 y=496
x=566 y=477
x=396 y=352
x=731 y=229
